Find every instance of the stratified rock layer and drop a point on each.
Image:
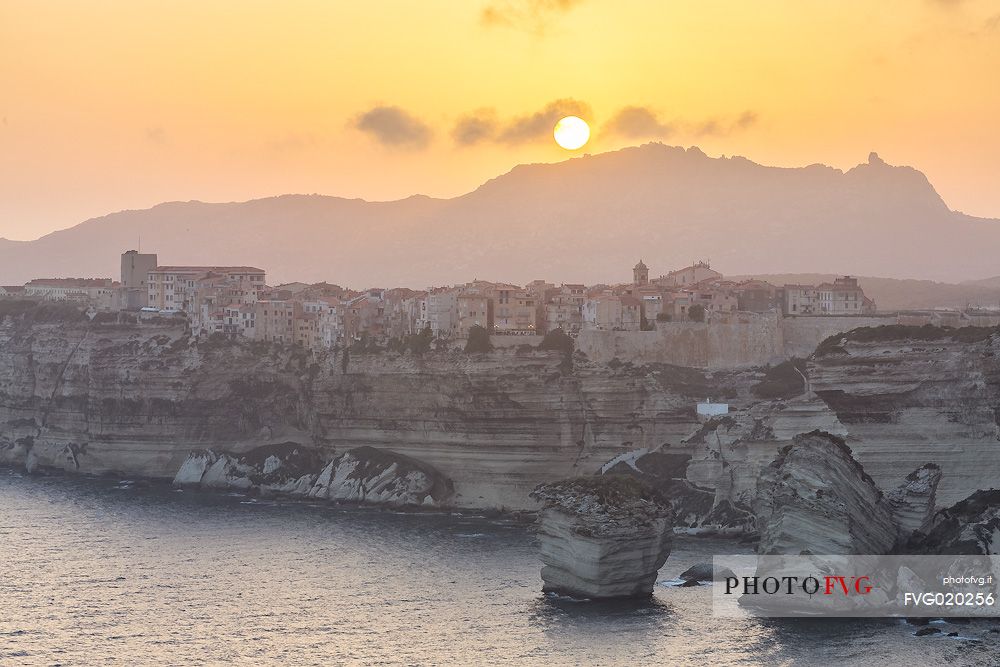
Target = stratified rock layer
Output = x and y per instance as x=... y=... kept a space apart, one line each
x=136 y=400
x=602 y=537
x=911 y=395
x=815 y=498
x=912 y=503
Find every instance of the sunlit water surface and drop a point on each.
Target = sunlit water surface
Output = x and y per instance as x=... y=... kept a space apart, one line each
x=100 y=572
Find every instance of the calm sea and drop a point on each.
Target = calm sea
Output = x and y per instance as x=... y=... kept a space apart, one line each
x=102 y=572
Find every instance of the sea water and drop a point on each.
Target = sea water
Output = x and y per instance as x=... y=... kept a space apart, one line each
x=110 y=572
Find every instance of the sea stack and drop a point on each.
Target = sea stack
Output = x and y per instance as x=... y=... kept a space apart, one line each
x=815 y=498
x=602 y=537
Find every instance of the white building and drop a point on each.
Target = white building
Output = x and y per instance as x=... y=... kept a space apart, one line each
x=329 y=313
x=707 y=409
x=440 y=313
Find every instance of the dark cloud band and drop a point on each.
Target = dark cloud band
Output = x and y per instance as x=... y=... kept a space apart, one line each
x=392 y=126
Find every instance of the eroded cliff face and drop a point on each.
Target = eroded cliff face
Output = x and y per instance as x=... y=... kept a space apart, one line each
x=137 y=400
x=907 y=396
x=920 y=401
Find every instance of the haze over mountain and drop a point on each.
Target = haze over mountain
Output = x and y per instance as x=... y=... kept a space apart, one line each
x=587 y=219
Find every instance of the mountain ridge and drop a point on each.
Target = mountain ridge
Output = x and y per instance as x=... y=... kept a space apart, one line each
x=585 y=219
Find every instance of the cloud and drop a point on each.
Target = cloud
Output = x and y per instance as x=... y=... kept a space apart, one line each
x=747 y=119
x=476 y=127
x=637 y=122
x=722 y=127
x=529 y=15
x=540 y=124
x=393 y=127
x=632 y=122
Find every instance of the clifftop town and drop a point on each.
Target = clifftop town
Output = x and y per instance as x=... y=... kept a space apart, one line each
x=235 y=301
x=692 y=316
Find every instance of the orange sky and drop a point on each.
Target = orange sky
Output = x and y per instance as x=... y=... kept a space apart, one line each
x=108 y=105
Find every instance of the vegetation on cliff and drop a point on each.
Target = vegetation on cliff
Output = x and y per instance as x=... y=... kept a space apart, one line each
x=895 y=332
x=786 y=380
x=479 y=340
x=614 y=496
x=43 y=312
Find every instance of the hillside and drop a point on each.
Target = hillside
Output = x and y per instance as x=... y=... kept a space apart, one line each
x=985 y=282
x=586 y=219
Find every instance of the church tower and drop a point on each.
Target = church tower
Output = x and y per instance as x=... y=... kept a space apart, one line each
x=640 y=274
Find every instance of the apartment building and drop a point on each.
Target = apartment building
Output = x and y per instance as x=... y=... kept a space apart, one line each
x=174 y=287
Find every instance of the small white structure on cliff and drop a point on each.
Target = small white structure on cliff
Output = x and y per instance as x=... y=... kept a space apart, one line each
x=707 y=409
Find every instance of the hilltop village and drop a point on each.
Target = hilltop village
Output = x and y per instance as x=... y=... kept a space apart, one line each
x=237 y=302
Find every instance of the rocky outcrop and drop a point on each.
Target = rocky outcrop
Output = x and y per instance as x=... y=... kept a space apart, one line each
x=711 y=475
x=701 y=573
x=286 y=468
x=697 y=509
x=369 y=475
x=907 y=395
x=913 y=503
x=602 y=537
x=971 y=526
x=815 y=498
x=361 y=475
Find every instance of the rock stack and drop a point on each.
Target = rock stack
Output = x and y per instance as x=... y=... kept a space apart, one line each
x=602 y=537
x=913 y=502
x=815 y=498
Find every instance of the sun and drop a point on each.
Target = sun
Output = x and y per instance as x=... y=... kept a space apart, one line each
x=571 y=132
